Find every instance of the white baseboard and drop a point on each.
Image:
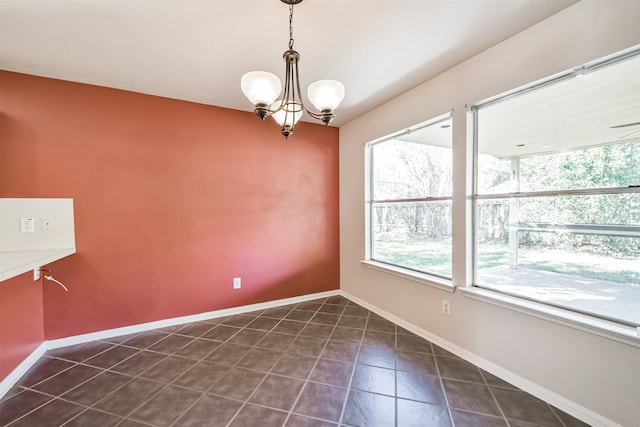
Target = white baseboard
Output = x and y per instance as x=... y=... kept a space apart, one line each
x=29 y=361
x=586 y=415
x=22 y=369
x=143 y=327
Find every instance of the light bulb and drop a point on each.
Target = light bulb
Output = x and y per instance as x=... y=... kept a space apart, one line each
x=326 y=94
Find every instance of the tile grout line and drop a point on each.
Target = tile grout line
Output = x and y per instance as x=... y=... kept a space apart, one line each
x=166 y=384
x=308 y=379
x=493 y=396
x=279 y=358
x=133 y=377
x=58 y=397
x=353 y=371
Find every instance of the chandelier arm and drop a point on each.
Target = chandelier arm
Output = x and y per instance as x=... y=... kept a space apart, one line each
x=297 y=84
x=290 y=92
x=287 y=81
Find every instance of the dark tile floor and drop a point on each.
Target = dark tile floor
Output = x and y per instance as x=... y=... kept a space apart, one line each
x=325 y=362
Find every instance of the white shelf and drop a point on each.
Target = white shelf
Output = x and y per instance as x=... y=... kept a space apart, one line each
x=14 y=263
x=48 y=237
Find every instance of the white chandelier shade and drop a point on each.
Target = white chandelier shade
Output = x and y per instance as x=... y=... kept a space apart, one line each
x=326 y=94
x=261 y=87
x=288 y=115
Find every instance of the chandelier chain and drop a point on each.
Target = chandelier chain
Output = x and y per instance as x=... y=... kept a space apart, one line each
x=291 y=26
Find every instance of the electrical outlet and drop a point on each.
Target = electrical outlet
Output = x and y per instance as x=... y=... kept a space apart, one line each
x=446 y=308
x=237 y=283
x=47 y=224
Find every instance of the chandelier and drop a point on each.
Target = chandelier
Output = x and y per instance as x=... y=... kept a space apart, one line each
x=263 y=88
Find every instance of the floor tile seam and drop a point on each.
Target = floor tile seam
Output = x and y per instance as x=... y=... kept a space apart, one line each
x=130 y=414
x=163 y=384
x=312 y=417
x=51 y=376
x=91 y=409
x=77 y=385
x=353 y=373
x=396 y=398
x=94 y=407
x=17 y=389
x=266 y=374
x=475 y=382
x=244 y=403
x=444 y=391
x=271 y=330
x=52 y=398
x=111 y=345
x=256 y=345
x=112 y=370
x=189 y=408
x=144 y=423
x=256 y=404
x=191 y=336
x=138 y=351
x=213 y=393
x=493 y=396
x=139 y=375
x=484 y=414
x=555 y=412
x=339 y=360
x=315 y=364
x=139 y=348
x=415 y=400
x=510 y=420
x=170 y=335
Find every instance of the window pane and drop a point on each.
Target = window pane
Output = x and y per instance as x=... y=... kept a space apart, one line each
x=575 y=251
x=571 y=150
x=613 y=165
x=577 y=133
x=413 y=235
x=404 y=170
x=410 y=206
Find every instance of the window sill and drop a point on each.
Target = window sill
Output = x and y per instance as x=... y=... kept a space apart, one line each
x=422 y=278
x=604 y=328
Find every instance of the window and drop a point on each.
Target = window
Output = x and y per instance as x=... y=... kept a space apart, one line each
x=557 y=197
x=409 y=203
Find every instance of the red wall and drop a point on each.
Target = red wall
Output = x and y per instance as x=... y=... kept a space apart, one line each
x=172 y=200
x=21 y=321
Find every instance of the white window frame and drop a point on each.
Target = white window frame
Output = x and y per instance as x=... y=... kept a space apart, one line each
x=585 y=321
x=396 y=270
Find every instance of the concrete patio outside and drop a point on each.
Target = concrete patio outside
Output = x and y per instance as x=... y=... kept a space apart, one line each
x=615 y=301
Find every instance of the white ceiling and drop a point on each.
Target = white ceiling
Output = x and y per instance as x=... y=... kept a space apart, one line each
x=197 y=50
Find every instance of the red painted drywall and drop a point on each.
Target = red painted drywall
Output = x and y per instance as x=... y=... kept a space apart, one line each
x=21 y=321
x=172 y=200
